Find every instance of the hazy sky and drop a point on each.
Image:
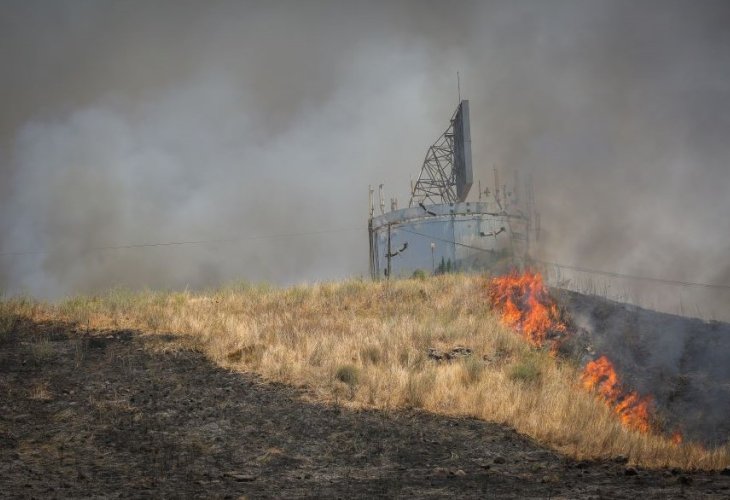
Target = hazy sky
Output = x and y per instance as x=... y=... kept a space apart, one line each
x=129 y=122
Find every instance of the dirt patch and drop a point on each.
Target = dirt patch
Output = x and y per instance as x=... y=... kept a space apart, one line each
x=110 y=413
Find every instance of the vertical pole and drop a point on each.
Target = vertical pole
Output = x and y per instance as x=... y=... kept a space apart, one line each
x=527 y=237
x=496 y=188
x=373 y=269
x=370 y=231
x=433 y=261
x=371 y=206
x=530 y=210
x=388 y=255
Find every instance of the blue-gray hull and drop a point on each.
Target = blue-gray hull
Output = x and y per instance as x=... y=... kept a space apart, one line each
x=459 y=237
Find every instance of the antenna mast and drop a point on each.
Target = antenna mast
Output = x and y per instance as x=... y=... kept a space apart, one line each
x=446 y=175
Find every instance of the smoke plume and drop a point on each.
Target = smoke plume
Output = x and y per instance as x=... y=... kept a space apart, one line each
x=140 y=122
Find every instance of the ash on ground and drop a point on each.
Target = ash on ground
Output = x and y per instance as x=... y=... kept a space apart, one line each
x=684 y=363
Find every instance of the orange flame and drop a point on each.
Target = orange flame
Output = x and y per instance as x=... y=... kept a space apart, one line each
x=677 y=437
x=525 y=305
x=633 y=410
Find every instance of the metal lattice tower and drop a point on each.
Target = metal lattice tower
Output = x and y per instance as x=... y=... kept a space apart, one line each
x=446 y=172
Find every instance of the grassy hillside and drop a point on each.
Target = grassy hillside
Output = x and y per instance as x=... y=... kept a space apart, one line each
x=364 y=344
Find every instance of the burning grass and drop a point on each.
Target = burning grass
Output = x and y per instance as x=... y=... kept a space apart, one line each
x=524 y=304
x=364 y=344
x=634 y=411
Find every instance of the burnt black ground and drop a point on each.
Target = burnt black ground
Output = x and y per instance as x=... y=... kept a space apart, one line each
x=108 y=414
x=683 y=363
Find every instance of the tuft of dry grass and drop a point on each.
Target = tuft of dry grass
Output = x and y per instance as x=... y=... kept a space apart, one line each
x=41 y=351
x=7 y=321
x=365 y=344
x=40 y=392
x=528 y=369
x=348 y=374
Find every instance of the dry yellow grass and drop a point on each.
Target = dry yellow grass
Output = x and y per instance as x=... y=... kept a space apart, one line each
x=363 y=344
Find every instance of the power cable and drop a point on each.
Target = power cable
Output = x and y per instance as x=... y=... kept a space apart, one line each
x=193 y=242
x=632 y=276
x=612 y=274
x=586 y=269
x=444 y=240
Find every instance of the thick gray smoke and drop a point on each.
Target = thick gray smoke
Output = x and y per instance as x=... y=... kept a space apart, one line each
x=138 y=122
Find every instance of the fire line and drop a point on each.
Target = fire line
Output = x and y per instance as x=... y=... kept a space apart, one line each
x=524 y=304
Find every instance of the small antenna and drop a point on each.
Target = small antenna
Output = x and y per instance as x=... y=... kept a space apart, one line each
x=458 y=86
x=371 y=207
x=496 y=186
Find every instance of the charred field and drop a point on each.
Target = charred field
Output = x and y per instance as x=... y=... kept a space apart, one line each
x=408 y=388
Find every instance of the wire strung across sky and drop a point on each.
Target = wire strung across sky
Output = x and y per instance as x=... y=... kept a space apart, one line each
x=586 y=269
x=362 y=228
x=194 y=242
